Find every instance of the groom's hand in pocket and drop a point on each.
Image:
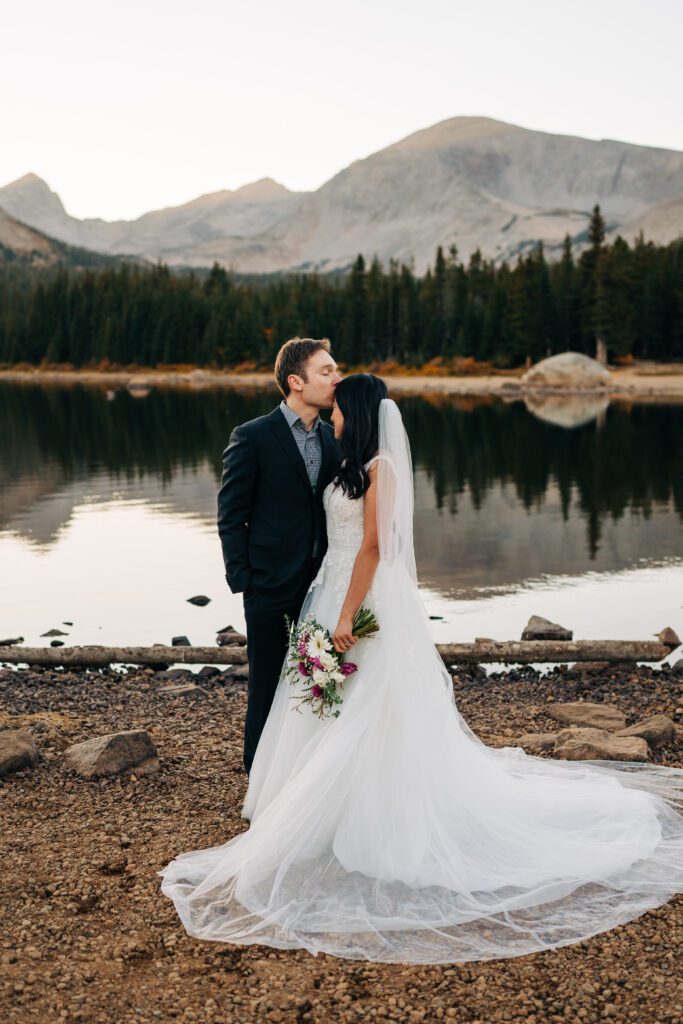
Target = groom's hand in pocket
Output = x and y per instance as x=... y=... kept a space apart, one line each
x=343 y=638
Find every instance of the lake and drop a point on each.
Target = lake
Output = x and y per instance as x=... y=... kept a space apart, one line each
x=107 y=514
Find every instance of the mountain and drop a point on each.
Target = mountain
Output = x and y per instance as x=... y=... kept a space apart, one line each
x=247 y=211
x=21 y=244
x=662 y=223
x=469 y=181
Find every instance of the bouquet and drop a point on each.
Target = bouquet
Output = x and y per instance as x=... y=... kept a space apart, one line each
x=313 y=663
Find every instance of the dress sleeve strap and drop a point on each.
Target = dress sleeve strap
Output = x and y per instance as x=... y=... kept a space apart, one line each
x=376 y=458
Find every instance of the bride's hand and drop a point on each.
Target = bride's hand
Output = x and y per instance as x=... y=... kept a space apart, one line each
x=343 y=638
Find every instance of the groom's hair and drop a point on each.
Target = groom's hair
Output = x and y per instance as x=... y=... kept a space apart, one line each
x=293 y=356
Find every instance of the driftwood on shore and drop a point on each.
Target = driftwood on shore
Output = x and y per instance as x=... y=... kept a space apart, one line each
x=485 y=651
x=529 y=651
x=97 y=656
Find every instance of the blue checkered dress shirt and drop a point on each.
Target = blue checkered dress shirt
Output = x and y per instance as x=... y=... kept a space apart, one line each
x=308 y=442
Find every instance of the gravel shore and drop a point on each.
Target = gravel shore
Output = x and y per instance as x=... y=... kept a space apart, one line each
x=88 y=937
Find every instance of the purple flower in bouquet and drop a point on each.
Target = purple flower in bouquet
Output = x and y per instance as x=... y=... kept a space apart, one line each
x=347 y=668
x=303 y=669
x=317 y=691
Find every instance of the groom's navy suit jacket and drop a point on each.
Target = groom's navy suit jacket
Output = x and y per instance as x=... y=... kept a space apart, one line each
x=269 y=516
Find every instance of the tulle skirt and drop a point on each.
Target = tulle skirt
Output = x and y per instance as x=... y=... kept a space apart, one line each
x=393 y=834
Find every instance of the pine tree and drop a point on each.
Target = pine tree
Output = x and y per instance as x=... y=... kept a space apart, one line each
x=566 y=300
x=357 y=313
x=593 y=286
x=596 y=230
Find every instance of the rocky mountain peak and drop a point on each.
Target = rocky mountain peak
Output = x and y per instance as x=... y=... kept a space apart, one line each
x=263 y=189
x=453 y=132
x=30 y=199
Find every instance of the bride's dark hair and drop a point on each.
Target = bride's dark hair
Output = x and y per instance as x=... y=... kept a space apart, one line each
x=358 y=397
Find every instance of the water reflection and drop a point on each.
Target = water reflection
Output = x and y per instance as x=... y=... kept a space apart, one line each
x=570 y=411
x=501 y=495
x=632 y=462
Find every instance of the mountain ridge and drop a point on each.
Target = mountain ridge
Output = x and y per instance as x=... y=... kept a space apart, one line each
x=474 y=182
x=22 y=244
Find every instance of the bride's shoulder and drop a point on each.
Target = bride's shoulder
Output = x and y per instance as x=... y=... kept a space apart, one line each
x=381 y=456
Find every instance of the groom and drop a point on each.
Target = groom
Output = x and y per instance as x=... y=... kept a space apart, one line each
x=270 y=513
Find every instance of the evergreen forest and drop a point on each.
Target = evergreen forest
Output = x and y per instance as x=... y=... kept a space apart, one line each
x=628 y=296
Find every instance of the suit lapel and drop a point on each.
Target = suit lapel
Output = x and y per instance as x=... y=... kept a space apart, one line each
x=283 y=433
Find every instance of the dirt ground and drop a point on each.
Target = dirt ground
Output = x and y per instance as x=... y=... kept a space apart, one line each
x=88 y=937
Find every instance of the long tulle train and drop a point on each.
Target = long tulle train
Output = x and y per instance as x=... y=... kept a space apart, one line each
x=393 y=834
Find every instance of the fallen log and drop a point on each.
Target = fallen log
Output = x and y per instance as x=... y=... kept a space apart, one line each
x=531 y=651
x=95 y=656
x=485 y=651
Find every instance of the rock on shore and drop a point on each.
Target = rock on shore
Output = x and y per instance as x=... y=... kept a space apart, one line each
x=17 y=751
x=568 y=371
x=588 y=744
x=114 y=753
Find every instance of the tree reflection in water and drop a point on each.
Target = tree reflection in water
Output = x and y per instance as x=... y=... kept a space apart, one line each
x=629 y=460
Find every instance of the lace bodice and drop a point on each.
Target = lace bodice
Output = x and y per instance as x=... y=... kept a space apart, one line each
x=344 y=519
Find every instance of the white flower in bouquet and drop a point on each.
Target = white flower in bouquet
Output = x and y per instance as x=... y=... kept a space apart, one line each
x=318 y=644
x=319 y=677
x=328 y=661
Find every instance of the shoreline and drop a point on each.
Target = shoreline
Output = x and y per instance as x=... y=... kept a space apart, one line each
x=644 y=384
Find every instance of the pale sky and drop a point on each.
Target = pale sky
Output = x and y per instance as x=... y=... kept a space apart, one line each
x=140 y=104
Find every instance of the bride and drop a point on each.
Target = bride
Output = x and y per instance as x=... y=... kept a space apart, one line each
x=391 y=832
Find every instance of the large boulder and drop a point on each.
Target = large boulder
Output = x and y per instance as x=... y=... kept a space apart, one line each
x=538 y=628
x=599 y=745
x=584 y=713
x=568 y=372
x=658 y=731
x=17 y=751
x=116 y=752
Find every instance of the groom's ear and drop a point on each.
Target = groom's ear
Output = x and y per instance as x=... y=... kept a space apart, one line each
x=295 y=382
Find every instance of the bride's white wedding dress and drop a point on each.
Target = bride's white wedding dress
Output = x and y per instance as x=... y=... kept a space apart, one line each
x=392 y=833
